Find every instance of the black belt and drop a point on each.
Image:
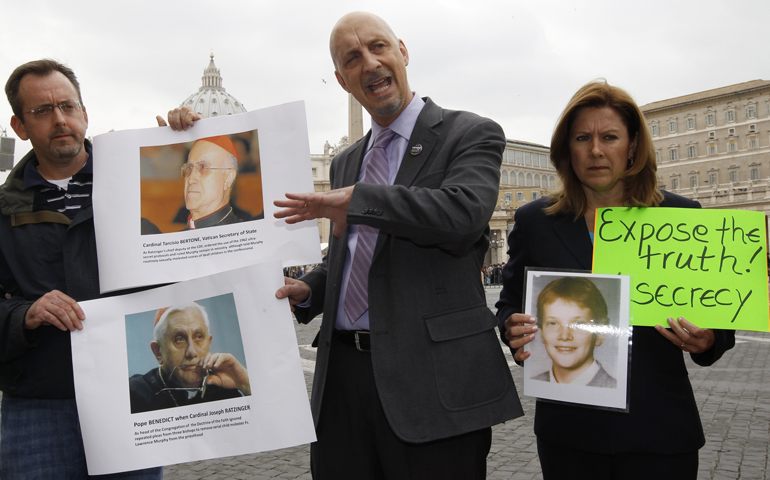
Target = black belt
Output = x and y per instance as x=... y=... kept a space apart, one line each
x=359 y=338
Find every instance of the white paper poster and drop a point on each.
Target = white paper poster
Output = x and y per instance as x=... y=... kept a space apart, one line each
x=146 y=395
x=581 y=351
x=172 y=206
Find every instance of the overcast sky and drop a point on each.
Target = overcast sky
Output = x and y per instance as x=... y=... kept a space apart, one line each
x=515 y=62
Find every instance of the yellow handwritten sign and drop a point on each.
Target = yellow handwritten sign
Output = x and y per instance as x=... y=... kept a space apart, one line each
x=708 y=266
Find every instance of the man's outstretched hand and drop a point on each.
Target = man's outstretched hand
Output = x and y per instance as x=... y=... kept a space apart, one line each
x=333 y=205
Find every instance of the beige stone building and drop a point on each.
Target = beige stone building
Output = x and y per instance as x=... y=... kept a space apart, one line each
x=714 y=146
x=320 y=164
x=526 y=174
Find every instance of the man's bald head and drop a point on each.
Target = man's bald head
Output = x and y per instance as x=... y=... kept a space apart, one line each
x=370 y=63
x=353 y=19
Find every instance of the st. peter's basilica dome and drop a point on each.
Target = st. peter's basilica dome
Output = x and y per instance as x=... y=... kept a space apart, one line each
x=211 y=99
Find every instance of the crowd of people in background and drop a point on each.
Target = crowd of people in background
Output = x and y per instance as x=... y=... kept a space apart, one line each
x=492 y=274
x=298 y=271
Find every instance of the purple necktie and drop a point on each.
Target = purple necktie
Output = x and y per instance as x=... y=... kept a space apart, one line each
x=357 y=296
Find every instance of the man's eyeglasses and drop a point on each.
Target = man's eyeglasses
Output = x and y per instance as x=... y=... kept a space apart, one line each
x=44 y=111
x=203 y=169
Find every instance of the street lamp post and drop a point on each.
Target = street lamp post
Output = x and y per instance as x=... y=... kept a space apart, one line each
x=6 y=150
x=493 y=248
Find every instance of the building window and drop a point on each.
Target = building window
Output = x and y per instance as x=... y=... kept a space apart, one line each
x=730 y=116
x=521 y=179
x=504 y=178
x=529 y=179
x=693 y=181
x=520 y=196
x=690 y=123
x=733 y=176
x=731 y=146
x=672 y=126
x=692 y=151
x=315 y=172
x=713 y=178
x=527 y=158
x=753 y=142
x=710 y=119
x=712 y=148
x=519 y=157
x=508 y=197
x=754 y=173
x=751 y=111
x=544 y=161
x=537 y=180
x=534 y=195
x=655 y=130
x=513 y=178
x=674 y=183
x=673 y=154
x=657 y=156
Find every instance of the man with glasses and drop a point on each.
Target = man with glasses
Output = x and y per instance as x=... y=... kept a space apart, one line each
x=188 y=373
x=209 y=176
x=47 y=264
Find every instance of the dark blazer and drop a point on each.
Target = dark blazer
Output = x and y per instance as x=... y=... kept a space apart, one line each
x=438 y=367
x=663 y=416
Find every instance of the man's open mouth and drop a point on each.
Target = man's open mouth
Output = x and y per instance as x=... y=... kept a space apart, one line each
x=380 y=85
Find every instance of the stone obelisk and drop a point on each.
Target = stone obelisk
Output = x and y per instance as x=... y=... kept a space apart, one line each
x=355 y=120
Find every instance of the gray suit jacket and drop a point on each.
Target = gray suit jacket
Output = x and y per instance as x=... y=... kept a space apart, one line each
x=438 y=367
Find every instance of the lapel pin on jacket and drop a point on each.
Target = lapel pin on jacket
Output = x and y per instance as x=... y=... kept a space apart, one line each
x=416 y=150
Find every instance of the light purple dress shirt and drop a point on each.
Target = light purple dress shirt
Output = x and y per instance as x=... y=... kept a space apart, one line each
x=403 y=126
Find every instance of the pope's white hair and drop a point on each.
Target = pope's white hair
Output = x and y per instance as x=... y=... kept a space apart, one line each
x=162 y=326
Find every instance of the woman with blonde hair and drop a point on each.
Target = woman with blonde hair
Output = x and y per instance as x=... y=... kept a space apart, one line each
x=604 y=156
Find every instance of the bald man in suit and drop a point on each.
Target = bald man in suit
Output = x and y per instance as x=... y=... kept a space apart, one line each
x=410 y=387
